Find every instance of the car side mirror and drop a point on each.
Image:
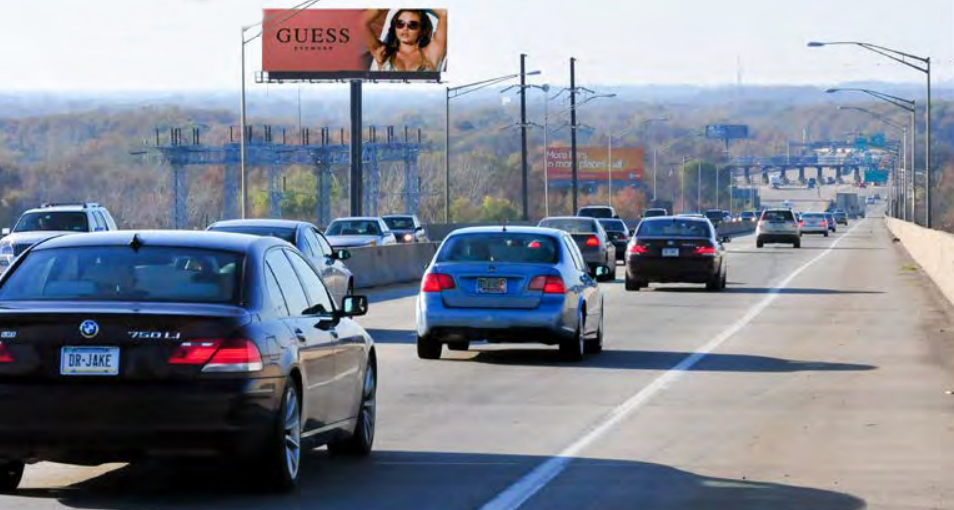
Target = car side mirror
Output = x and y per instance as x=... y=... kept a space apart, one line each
x=354 y=306
x=341 y=254
x=601 y=271
x=5 y=231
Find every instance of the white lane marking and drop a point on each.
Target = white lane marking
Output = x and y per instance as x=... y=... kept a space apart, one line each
x=522 y=490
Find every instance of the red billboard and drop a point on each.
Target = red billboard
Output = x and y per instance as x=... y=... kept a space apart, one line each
x=626 y=164
x=401 y=44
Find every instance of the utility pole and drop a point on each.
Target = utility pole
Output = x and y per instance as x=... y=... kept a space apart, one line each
x=575 y=184
x=682 y=186
x=523 y=136
x=699 y=186
x=357 y=175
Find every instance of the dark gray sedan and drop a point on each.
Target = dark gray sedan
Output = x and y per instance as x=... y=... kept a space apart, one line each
x=310 y=241
x=595 y=244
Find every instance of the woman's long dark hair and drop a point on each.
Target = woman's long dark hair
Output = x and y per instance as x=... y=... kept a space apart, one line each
x=391 y=42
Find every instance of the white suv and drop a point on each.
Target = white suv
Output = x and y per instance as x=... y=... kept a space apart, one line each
x=51 y=220
x=777 y=226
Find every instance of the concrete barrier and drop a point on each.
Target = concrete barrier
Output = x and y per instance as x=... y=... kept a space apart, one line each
x=933 y=250
x=377 y=266
x=736 y=228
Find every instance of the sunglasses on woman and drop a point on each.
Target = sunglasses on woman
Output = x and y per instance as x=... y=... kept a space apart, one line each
x=411 y=25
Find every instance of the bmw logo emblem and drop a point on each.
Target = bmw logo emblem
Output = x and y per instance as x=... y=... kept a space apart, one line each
x=89 y=328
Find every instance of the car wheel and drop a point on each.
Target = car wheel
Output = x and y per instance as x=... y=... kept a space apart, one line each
x=826 y=233
x=572 y=347
x=725 y=276
x=458 y=346
x=361 y=441
x=11 y=473
x=759 y=243
x=797 y=244
x=280 y=461
x=595 y=346
x=428 y=348
x=631 y=284
x=713 y=284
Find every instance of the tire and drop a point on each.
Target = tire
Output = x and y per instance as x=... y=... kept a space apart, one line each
x=458 y=346
x=572 y=347
x=595 y=345
x=279 y=462
x=723 y=283
x=713 y=284
x=759 y=243
x=360 y=443
x=797 y=243
x=631 y=285
x=428 y=348
x=826 y=233
x=11 y=472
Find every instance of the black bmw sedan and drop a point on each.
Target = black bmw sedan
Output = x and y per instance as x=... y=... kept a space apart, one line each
x=120 y=345
x=671 y=249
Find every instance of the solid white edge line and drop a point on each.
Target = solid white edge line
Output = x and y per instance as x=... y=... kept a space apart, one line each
x=523 y=489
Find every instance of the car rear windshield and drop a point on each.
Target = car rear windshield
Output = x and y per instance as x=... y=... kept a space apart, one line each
x=613 y=225
x=285 y=234
x=501 y=247
x=400 y=223
x=571 y=225
x=813 y=216
x=748 y=214
x=596 y=212
x=119 y=273
x=71 y=221
x=675 y=227
x=652 y=213
x=778 y=216
x=353 y=228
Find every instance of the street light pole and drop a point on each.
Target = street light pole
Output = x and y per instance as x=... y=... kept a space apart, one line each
x=925 y=67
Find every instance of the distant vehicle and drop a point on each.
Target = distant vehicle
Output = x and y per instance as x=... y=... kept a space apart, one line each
x=813 y=223
x=811 y=183
x=356 y=232
x=618 y=233
x=179 y=343
x=848 y=202
x=509 y=284
x=870 y=200
x=776 y=181
x=51 y=220
x=748 y=216
x=841 y=217
x=597 y=211
x=831 y=180
x=595 y=245
x=788 y=203
x=717 y=216
x=309 y=241
x=832 y=224
x=673 y=249
x=691 y=215
x=654 y=212
x=777 y=226
x=406 y=228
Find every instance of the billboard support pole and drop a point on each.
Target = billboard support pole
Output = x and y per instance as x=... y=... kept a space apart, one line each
x=523 y=136
x=356 y=152
x=242 y=172
x=546 y=155
x=575 y=185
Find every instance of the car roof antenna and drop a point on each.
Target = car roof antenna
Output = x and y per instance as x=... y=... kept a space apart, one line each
x=136 y=242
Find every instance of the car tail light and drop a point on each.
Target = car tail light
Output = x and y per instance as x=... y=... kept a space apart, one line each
x=801 y=224
x=5 y=356
x=705 y=250
x=549 y=284
x=824 y=223
x=592 y=241
x=638 y=249
x=233 y=355
x=436 y=282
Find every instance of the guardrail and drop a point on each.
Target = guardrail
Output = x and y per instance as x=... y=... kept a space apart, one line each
x=933 y=250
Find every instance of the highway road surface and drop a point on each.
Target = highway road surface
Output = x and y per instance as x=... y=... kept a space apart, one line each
x=820 y=380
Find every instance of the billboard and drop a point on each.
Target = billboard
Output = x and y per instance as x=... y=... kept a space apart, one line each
x=727 y=131
x=627 y=164
x=386 y=44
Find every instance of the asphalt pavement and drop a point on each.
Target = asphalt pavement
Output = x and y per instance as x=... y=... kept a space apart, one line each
x=820 y=379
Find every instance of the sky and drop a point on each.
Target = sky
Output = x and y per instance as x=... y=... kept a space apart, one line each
x=186 y=45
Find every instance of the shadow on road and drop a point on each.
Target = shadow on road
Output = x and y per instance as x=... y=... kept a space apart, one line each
x=434 y=480
x=398 y=291
x=660 y=360
x=393 y=336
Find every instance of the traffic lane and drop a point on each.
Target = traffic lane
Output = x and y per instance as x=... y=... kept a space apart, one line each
x=501 y=401
x=866 y=422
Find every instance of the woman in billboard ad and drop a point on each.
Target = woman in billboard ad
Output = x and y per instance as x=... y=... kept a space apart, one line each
x=415 y=39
